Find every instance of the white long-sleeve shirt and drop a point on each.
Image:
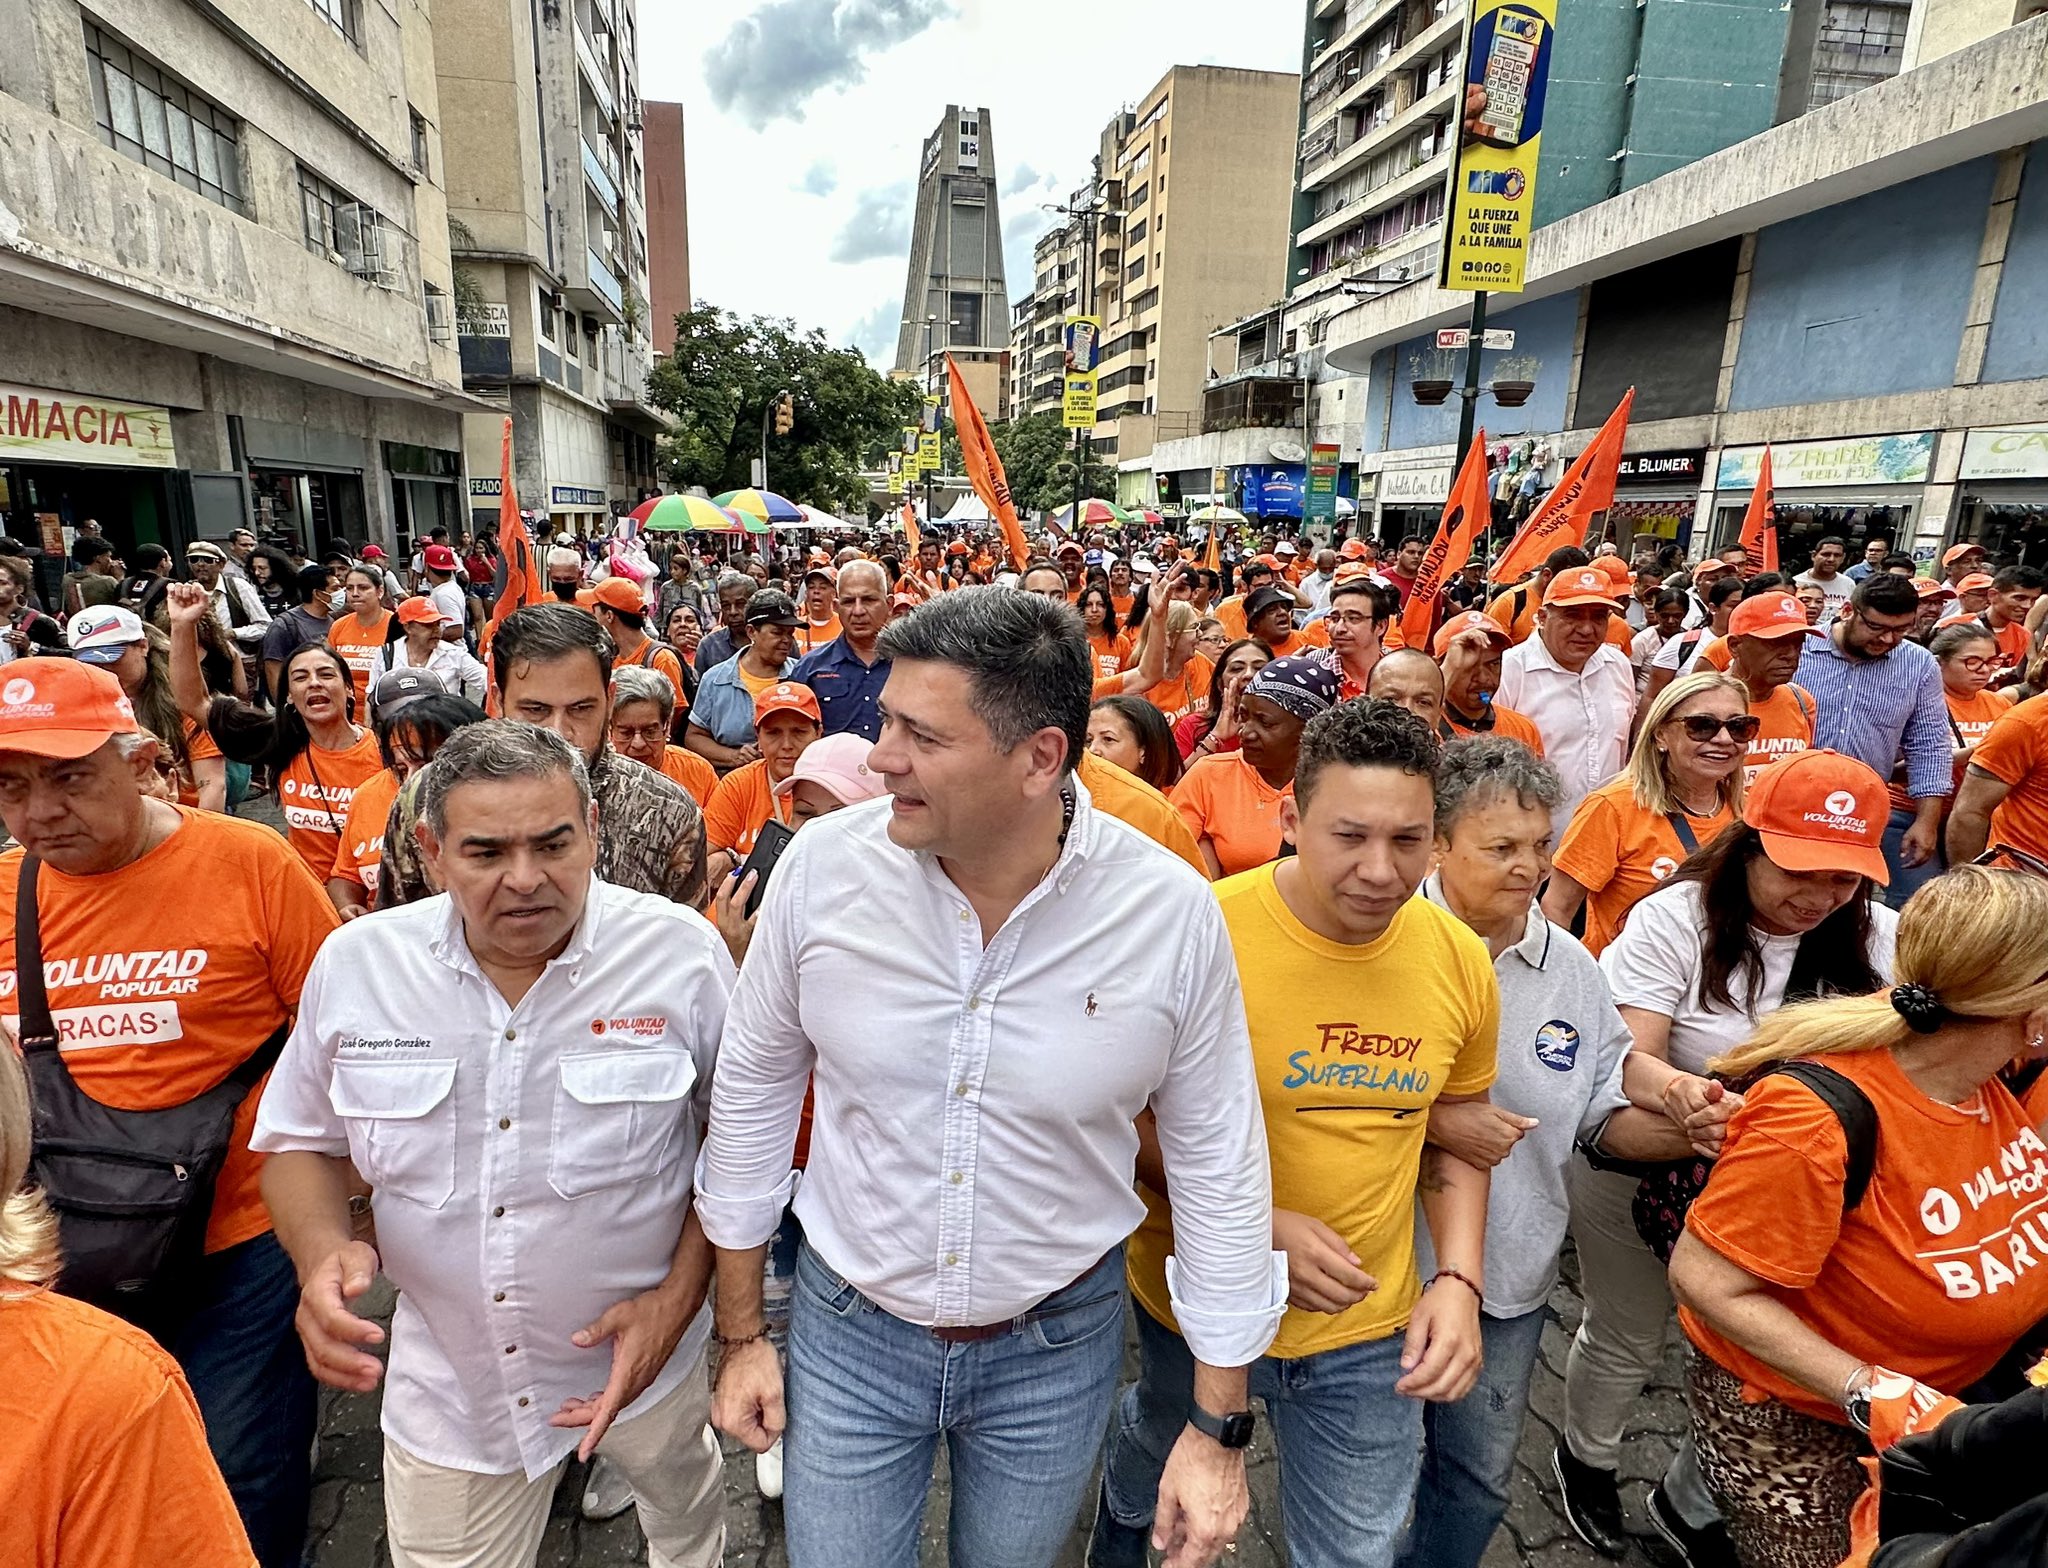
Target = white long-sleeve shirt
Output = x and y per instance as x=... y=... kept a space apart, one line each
x=1583 y=716
x=972 y=1148
x=453 y=664
x=530 y=1164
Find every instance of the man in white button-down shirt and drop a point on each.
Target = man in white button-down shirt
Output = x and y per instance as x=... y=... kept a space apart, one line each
x=1575 y=686
x=520 y=1069
x=988 y=981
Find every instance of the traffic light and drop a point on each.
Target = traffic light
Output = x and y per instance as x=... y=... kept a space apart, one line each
x=785 y=414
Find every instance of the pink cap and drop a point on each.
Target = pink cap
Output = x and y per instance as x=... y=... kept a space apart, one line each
x=838 y=764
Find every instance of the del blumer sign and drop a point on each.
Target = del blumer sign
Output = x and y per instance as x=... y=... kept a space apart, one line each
x=40 y=426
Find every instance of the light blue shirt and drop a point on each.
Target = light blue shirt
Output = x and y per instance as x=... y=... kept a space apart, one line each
x=1876 y=709
x=724 y=708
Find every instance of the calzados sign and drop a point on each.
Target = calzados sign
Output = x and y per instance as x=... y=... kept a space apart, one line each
x=70 y=427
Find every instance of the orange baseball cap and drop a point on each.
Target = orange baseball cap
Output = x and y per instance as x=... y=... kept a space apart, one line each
x=1771 y=615
x=1821 y=811
x=1956 y=552
x=1580 y=585
x=1270 y=562
x=787 y=697
x=1930 y=588
x=61 y=708
x=1351 y=572
x=1354 y=550
x=1974 y=582
x=1616 y=568
x=615 y=593
x=419 y=610
x=586 y=599
x=1468 y=621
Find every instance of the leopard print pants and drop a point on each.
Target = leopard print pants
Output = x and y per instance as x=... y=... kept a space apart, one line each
x=1784 y=1480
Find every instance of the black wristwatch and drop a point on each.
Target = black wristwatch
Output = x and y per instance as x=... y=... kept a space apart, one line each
x=1232 y=1431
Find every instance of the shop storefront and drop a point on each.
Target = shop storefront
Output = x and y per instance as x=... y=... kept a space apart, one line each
x=2002 y=500
x=306 y=484
x=580 y=510
x=1410 y=501
x=1857 y=489
x=66 y=457
x=425 y=492
x=1655 y=497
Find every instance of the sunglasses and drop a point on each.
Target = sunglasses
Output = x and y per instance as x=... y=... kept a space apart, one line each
x=1703 y=727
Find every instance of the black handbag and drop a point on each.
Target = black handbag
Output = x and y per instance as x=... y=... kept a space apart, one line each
x=132 y=1190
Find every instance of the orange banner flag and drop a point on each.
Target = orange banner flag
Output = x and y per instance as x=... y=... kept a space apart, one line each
x=1759 y=534
x=1212 y=558
x=984 y=466
x=1567 y=512
x=522 y=580
x=1465 y=519
x=911 y=537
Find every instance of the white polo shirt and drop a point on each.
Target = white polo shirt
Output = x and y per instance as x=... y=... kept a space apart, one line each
x=1583 y=717
x=530 y=1165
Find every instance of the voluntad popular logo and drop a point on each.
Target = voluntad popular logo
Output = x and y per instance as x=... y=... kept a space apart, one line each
x=1840 y=804
x=18 y=691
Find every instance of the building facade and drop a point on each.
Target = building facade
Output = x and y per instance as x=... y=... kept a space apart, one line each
x=225 y=281
x=668 y=221
x=955 y=299
x=547 y=189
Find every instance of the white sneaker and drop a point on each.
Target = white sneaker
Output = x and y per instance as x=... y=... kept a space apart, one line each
x=768 y=1472
x=606 y=1493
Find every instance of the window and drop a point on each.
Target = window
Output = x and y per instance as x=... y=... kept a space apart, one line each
x=440 y=315
x=1138 y=230
x=1135 y=270
x=344 y=16
x=419 y=143
x=160 y=122
x=547 y=318
x=1138 y=197
x=346 y=231
x=965 y=313
x=1141 y=303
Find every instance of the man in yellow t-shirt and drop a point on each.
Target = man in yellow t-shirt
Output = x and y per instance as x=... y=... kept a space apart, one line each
x=1367 y=1005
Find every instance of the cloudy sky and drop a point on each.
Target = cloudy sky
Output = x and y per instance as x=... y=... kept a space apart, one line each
x=803 y=120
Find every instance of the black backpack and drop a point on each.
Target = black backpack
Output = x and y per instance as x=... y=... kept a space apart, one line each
x=132 y=1190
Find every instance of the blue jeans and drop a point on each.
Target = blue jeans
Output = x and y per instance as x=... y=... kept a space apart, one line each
x=1350 y=1447
x=1907 y=880
x=1468 y=1463
x=247 y=1369
x=870 y=1396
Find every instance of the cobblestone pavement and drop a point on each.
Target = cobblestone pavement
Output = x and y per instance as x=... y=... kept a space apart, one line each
x=348 y=1513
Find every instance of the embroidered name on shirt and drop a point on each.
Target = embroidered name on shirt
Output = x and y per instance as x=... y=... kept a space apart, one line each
x=364 y=1042
x=645 y=1026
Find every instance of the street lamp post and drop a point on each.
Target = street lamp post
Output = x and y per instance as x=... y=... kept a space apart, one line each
x=1090 y=214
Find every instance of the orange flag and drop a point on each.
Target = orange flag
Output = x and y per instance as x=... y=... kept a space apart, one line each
x=1759 y=534
x=910 y=534
x=521 y=579
x=1465 y=519
x=1212 y=559
x=1565 y=514
x=984 y=467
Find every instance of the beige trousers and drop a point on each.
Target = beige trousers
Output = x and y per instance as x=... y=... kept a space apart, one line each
x=442 y=1518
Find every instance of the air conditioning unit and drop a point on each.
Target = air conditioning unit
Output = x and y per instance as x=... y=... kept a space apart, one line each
x=359 y=236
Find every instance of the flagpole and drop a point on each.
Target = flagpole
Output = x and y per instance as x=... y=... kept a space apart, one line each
x=1468 y=396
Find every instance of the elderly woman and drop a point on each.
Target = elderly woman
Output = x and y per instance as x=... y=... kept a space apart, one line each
x=643 y=710
x=1818 y=1263
x=1561 y=1053
x=1776 y=908
x=1232 y=802
x=721 y=727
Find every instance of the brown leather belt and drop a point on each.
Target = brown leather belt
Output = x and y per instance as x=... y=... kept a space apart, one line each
x=975 y=1333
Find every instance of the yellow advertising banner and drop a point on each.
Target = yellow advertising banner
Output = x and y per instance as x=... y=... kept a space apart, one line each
x=1077 y=409
x=1493 y=182
x=41 y=426
x=928 y=453
x=895 y=473
x=1083 y=352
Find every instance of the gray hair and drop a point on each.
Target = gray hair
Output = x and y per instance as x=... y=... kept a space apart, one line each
x=1026 y=660
x=637 y=683
x=497 y=751
x=734 y=580
x=562 y=555
x=881 y=572
x=1478 y=772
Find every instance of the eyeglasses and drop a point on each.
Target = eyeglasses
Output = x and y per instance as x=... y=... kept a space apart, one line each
x=1977 y=666
x=1703 y=727
x=1873 y=632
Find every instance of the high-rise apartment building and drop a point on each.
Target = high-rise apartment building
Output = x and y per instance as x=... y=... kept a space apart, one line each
x=546 y=179
x=225 y=288
x=1056 y=282
x=954 y=297
x=668 y=220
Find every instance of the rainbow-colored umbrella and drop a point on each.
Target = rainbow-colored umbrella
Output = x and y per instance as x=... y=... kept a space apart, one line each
x=1094 y=514
x=763 y=509
x=679 y=514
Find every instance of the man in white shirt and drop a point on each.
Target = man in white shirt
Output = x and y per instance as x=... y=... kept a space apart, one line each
x=523 y=1086
x=1575 y=686
x=232 y=597
x=988 y=981
x=1827 y=575
x=1317 y=584
x=442 y=588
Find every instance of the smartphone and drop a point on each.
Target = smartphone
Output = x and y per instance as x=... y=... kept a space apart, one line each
x=773 y=839
x=1510 y=66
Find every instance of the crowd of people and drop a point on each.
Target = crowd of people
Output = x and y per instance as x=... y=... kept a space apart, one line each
x=822 y=993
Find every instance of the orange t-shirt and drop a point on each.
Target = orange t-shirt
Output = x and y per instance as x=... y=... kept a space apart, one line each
x=661 y=658
x=164 y=976
x=1130 y=799
x=1787 y=716
x=1618 y=852
x=1179 y=695
x=106 y=1463
x=1122 y=606
x=1517 y=615
x=1225 y=800
x=813 y=635
x=358 y=647
x=1231 y=613
x=2013 y=647
x=314 y=793
x=1970 y=720
x=1111 y=653
x=199 y=747
x=737 y=808
x=1307 y=639
x=1620 y=633
x=2016 y=751
x=1507 y=725
x=361 y=850
x=691 y=771
x=1934 y=1274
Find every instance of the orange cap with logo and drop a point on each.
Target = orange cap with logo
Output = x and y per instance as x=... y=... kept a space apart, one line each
x=61 y=708
x=1771 y=615
x=1468 y=621
x=1821 y=811
x=1580 y=585
x=787 y=697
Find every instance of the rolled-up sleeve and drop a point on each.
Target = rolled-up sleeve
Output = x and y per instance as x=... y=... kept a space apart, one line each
x=1927 y=741
x=1227 y=1286
x=764 y=1063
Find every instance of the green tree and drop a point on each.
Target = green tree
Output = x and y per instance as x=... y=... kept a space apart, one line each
x=1038 y=456
x=726 y=369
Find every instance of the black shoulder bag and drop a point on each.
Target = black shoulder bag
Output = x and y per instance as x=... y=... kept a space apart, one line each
x=132 y=1190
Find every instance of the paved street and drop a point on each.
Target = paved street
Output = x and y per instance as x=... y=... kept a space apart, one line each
x=348 y=1517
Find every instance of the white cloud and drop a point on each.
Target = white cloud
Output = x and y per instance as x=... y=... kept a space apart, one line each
x=775 y=60
x=820 y=179
x=878 y=226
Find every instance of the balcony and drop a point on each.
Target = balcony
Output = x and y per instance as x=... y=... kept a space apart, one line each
x=601 y=179
x=1437 y=103
x=1252 y=404
x=594 y=74
x=604 y=284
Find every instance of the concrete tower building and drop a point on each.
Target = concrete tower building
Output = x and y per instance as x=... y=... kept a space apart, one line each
x=955 y=298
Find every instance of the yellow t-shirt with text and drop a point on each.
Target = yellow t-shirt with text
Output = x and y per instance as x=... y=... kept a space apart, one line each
x=1351 y=1047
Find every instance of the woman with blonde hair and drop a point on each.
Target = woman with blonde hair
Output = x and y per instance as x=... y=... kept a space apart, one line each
x=1900 y=1233
x=105 y=1459
x=1682 y=787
